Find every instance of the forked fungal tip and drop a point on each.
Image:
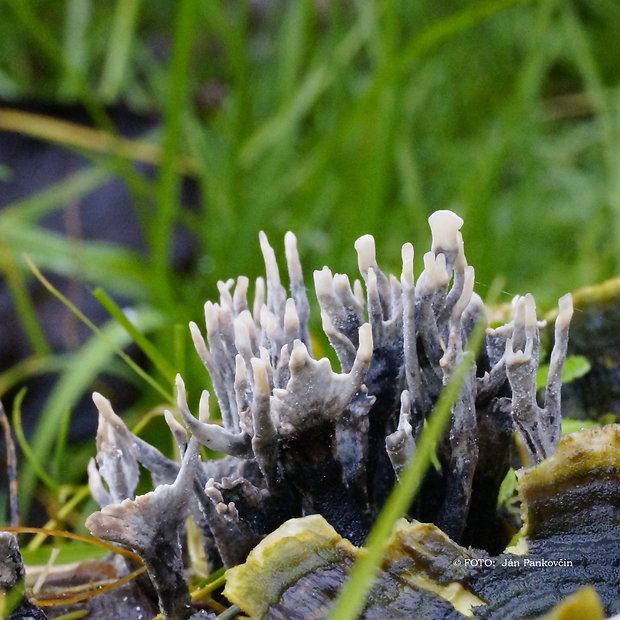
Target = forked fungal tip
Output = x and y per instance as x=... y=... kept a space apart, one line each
x=323 y=282
x=444 y=226
x=435 y=271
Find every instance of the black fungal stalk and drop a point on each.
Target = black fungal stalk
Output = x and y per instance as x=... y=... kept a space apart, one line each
x=12 y=587
x=302 y=439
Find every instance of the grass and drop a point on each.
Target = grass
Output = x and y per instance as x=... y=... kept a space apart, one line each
x=332 y=122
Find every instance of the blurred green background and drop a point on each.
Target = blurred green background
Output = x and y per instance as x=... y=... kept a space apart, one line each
x=329 y=118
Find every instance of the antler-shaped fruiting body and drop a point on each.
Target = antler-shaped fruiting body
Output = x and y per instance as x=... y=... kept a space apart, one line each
x=150 y=525
x=538 y=427
x=301 y=438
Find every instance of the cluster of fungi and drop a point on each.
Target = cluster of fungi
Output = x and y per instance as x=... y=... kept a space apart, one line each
x=310 y=454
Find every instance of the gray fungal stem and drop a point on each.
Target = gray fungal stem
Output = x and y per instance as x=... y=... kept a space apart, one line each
x=400 y=444
x=538 y=427
x=552 y=395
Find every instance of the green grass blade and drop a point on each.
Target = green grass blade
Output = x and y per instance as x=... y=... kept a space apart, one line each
x=607 y=122
x=118 y=53
x=44 y=39
x=24 y=307
x=60 y=449
x=69 y=552
x=441 y=31
x=308 y=92
x=75 y=38
x=13 y=377
x=72 y=187
x=167 y=189
x=81 y=493
x=118 y=269
x=179 y=348
x=293 y=45
x=158 y=360
x=150 y=320
x=33 y=463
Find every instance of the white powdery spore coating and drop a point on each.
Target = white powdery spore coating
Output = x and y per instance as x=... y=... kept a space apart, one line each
x=259 y=298
x=291 y=318
x=226 y=299
x=366 y=256
x=444 y=229
x=565 y=314
x=323 y=282
x=269 y=256
x=243 y=340
x=261 y=378
x=407 y=254
x=530 y=312
x=240 y=294
x=435 y=271
x=177 y=429
x=203 y=407
x=292 y=257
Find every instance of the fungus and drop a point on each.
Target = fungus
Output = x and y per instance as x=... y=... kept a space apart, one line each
x=150 y=525
x=302 y=439
x=12 y=587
